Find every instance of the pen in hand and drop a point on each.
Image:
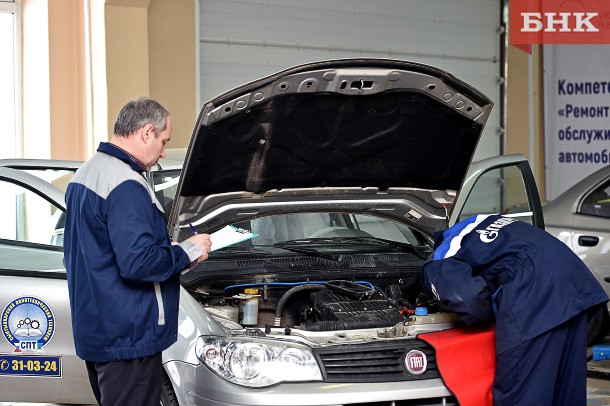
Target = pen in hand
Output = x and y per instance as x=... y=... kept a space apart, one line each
x=202 y=241
x=193 y=263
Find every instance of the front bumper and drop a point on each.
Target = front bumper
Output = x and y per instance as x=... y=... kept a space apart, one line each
x=197 y=385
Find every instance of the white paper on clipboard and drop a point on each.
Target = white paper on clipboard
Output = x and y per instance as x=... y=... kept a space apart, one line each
x=229 y=235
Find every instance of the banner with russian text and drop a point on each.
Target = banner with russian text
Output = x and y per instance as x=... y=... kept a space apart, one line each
x=558 y=22
x=576 y=113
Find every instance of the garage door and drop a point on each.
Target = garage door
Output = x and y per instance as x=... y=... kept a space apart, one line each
x=242 y=40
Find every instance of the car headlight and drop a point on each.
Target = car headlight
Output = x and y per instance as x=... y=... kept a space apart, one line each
x=253 y=362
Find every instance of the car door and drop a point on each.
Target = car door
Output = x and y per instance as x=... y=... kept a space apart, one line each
x=499 y=185
x=37 y=358
x=590 y=233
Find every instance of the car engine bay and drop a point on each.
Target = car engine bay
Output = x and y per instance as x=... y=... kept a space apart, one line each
x=318 y=297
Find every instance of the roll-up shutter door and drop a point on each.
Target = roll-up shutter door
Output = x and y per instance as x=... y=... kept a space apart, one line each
x=242 y=40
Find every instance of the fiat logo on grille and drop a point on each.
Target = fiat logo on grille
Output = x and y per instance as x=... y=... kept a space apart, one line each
x=416 y=362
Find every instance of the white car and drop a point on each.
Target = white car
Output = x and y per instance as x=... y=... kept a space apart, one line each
x=580 y=217
x=336 y=174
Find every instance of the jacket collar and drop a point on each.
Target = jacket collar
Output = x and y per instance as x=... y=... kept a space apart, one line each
x=123 y=155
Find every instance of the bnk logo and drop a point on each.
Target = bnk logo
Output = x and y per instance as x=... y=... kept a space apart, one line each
x=558 y=22
x=562 y=22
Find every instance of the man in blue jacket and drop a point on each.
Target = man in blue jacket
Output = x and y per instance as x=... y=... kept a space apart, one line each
x=539 y=293
x=123 y=271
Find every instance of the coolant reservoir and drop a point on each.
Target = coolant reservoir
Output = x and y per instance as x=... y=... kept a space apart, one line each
x=248 y=309
x=422 y=317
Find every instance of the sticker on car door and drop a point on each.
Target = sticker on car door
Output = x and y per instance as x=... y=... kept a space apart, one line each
x=28 y=324
x=30 y=365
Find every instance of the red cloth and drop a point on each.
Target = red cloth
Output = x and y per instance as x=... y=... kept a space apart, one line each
x=466 y=360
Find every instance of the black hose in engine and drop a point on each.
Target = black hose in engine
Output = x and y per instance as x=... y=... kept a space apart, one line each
x=287 y=295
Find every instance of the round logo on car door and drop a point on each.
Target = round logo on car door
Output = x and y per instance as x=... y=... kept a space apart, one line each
x=28 y=324
x=416 y=362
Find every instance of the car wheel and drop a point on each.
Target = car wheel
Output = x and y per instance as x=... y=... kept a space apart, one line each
x=168 y=396
x=598 y=327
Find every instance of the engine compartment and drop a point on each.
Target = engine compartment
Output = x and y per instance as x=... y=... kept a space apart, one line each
x=377 y=293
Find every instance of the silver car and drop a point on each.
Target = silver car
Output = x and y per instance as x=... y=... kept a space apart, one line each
x=333 y=176
x=580 y=217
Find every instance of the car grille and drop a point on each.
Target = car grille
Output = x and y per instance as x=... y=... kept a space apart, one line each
x=373 y=362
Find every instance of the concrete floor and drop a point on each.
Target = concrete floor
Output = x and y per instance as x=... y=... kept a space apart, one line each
x=598 y=381
x=598 y=392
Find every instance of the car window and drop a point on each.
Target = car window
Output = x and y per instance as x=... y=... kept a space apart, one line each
x=57 y=177
x=165 y=183
x=597 y=202
x=500 y=190
x=30 y=231
x=389 y=230
x=287 y=227
x=28 y=217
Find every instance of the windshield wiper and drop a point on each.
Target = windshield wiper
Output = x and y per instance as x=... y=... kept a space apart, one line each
x=303 y=250
x=423 y=253
x=236 y=249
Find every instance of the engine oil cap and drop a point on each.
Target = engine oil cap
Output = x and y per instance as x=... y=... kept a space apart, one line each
x=421 y=311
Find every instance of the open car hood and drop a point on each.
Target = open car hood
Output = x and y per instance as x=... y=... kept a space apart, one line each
x=351 y=132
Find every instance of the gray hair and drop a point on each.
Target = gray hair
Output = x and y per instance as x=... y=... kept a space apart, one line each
x=137 y=113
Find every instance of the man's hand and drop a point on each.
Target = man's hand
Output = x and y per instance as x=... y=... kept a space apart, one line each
x=202 y=241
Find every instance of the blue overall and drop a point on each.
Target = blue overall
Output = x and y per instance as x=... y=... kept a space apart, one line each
x=539 y=293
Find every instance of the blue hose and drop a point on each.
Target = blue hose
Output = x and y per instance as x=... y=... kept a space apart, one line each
x=245 y=285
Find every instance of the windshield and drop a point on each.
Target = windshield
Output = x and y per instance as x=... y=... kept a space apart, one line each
x=328 y=229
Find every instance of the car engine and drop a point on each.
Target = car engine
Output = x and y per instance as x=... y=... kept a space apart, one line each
x=277 y=297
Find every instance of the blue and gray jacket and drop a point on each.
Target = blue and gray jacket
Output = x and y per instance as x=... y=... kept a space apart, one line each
x=123 y=272
x=530 y=280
